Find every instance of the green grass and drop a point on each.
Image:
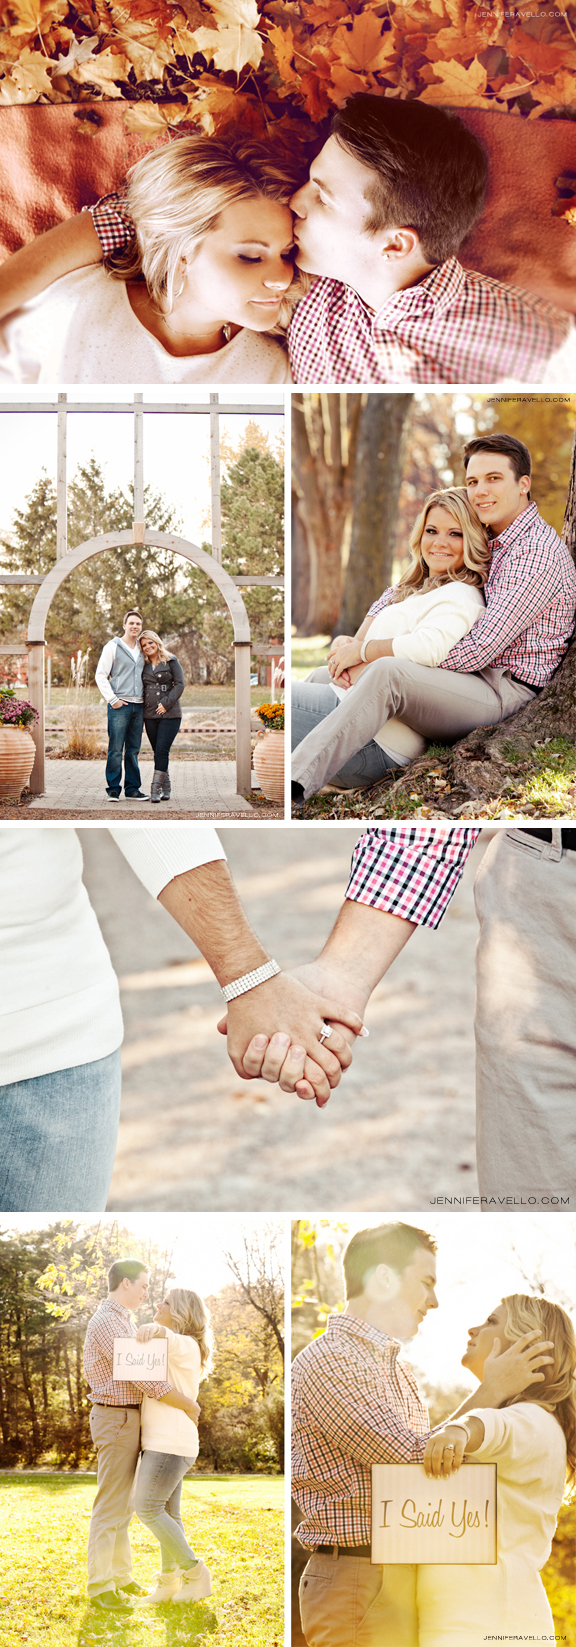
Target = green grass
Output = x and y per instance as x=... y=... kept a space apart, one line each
x=308 y=652
x=235 y=1522
x=193 y=697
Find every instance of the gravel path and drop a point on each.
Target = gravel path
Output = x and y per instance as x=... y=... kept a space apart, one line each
x=194 y=1136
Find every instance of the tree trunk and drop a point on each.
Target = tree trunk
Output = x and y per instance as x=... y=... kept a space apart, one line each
x=323 y=444
x=378 y=473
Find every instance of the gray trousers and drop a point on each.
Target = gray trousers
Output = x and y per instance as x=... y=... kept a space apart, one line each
x=439 y=703
x=115 y=1433
x=526 y=1024
x=346 y=1602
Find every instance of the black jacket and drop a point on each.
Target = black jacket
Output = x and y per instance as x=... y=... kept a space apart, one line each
x=165 y=685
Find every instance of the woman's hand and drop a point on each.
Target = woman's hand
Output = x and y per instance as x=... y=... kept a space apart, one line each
x=160 y=710
x=150 y=1330
x=292 y=1054
x=344 y=658
x=511 y=1373
x=445 y=1452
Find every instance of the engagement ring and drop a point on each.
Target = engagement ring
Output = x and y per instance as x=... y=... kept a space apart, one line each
x=324 y=1033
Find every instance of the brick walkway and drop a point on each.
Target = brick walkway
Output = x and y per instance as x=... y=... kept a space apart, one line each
x=197 y=787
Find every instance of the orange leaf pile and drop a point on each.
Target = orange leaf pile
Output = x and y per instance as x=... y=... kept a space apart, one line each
x=276 y=68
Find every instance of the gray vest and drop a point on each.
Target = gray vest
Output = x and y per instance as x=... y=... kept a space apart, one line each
x=126 y=675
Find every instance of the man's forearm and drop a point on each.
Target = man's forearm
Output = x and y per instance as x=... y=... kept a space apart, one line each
x=175 y=1399
x=363 y=945
x=206 y=905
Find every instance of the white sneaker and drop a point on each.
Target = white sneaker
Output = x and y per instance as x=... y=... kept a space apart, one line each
x=196 y=1583
x=167 y=1585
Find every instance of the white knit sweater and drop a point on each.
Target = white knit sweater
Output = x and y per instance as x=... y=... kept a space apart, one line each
x=59 y=1000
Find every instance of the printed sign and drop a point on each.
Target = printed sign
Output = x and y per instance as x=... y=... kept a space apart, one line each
x=438 y=1522
x=134 y=1360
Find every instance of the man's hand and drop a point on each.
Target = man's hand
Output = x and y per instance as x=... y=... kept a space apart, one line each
x=511 y=1373
x=118 y=703
x=192 y=1409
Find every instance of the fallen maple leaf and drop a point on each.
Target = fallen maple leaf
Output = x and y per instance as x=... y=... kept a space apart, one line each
x=35 y=16
x=152 y=120
x=364 y=46
x=282 y=42
x=104 y=70
x=558 y=93
x=30 y=75
x=460 y=87
x=79 y=51
x=230 y=49
x=235 y=13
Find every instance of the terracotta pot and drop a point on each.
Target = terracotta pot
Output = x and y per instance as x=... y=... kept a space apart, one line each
x=16 y=761
x=269 y=765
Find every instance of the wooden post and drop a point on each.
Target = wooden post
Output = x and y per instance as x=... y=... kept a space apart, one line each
x=36 y=697
x=138 y=462
x=243 y=742
x=216 y=512
x=61 y=494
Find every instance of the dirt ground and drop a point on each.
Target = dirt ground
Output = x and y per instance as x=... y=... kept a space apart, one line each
x=399 y=1129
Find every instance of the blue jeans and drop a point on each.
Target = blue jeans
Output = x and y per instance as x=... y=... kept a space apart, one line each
x=124 y=737
x=162 y=732
x=58 y=1137
x=311 y=703
x=157 y=1504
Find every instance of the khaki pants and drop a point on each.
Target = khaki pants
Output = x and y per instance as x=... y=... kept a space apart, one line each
x=526 y=1024
x=346 y=1602
x=116 y=1435
x=439 y=703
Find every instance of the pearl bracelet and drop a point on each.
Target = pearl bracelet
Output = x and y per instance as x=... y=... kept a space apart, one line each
x=240 y=986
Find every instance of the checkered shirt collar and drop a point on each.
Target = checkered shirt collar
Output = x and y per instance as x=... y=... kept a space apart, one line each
x=517 y=528
x=354 y=1327
x=109 y=1304
x=437 y=291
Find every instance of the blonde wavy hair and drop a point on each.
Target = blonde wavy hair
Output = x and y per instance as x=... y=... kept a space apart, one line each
x=150 y=634
x=417 y=580
x=191 y=1317
x=175 y=197
x=557 y=1392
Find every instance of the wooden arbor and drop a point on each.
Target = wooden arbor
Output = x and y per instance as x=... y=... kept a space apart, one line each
x=68 y=560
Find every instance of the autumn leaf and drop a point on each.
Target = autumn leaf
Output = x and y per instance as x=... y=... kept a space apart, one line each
x=231 y=14
x=147 y=54
x=542 y=58
x=79 y=51
x=30 y=77
x=35 y=16
x=460 y=88
x=364 y=46
x=230 y=48
x=558 y=93
x=344 y=84
x=282 y=41
x=152 y=120
x=103 y=71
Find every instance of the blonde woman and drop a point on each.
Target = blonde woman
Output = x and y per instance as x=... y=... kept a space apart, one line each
x=202 y=281
x=435 y=603
x=532 y=1440
x=162 y=686
x=170 y=1446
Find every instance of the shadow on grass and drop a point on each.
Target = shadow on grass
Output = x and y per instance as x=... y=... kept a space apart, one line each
x=195 y=1623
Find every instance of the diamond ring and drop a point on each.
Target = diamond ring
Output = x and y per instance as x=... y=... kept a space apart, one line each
x=325 y=1031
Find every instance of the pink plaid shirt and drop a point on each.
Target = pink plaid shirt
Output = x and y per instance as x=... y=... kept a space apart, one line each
x=410 y=870
x=530 y=605
x=452 y=327
x=112 y=1321
x=354 y=1404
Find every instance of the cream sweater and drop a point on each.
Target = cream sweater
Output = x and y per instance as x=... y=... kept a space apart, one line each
x=167 y=1429
x=83 y=330
x=59 y=1000
x=423 y=628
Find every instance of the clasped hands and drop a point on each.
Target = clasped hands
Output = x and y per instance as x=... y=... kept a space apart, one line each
x=294 y=1057
x=344 y=654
